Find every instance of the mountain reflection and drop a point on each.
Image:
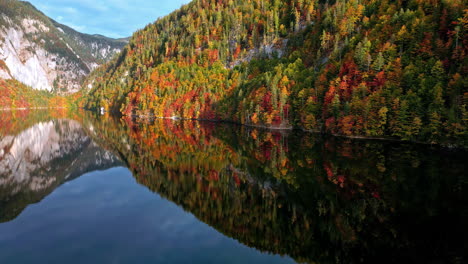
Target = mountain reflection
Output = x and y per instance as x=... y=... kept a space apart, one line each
x=38 y=153
x=318 y=200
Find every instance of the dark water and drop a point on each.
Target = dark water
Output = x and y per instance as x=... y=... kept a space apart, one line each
x=76 y=188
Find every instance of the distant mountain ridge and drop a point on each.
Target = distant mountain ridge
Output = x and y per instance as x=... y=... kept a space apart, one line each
x=46 y=55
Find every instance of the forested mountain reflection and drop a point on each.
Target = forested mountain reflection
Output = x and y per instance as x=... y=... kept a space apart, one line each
x=316 y=200
x=39 y=152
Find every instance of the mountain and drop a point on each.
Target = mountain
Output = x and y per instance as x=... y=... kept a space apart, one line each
x=45 y=54
x=365 y=68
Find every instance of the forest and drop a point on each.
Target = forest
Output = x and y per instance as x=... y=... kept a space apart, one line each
x=15 y=95
x=371 y=68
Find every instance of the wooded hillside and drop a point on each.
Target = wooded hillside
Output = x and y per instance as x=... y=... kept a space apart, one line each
x=374 y=68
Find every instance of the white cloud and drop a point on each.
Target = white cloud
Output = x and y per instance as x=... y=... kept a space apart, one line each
x=70 y=10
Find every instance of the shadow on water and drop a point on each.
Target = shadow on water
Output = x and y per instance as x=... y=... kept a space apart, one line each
x=323 y=200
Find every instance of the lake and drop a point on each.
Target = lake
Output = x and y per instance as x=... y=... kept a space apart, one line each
x=80 y=188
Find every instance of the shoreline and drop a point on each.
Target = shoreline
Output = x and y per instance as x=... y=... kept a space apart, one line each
x=30 y=108
x=291 y=128
x=279 y=128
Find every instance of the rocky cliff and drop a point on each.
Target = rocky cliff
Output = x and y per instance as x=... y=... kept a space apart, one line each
x=44 y=54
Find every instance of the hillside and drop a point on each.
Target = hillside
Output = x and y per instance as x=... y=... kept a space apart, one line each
x=373 y=68
x=15 y=95
x=44 y=54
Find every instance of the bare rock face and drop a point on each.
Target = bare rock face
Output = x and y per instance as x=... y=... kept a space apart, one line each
x=46 y=55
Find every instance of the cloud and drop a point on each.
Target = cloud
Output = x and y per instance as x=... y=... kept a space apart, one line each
x=70 y=10
x=113 y=18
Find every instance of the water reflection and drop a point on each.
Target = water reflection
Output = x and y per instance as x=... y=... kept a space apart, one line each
x=38 y=156
x=322 y=200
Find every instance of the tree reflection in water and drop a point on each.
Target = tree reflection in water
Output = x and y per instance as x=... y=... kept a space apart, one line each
x=326 y=200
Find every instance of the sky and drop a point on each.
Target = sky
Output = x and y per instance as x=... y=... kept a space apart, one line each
x=111 y=18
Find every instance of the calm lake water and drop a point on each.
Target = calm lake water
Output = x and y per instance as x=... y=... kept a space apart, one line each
x=78 y=188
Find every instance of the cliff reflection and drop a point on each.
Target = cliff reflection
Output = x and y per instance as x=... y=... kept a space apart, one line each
x=39 y=151
x=314 y=199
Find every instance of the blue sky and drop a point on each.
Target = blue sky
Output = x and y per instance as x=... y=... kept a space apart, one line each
x=111 y=18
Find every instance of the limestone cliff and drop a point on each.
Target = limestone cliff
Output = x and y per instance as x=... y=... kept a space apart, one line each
x=44 y=54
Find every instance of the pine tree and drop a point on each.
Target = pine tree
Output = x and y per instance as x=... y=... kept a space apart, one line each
x=379 y=62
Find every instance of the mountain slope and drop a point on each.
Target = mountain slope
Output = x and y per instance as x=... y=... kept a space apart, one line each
x=374 y=68
x=14 y=95
x=44 y=54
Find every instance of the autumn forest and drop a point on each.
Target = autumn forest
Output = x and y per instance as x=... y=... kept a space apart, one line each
x=236 y=131
x=366 y=68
